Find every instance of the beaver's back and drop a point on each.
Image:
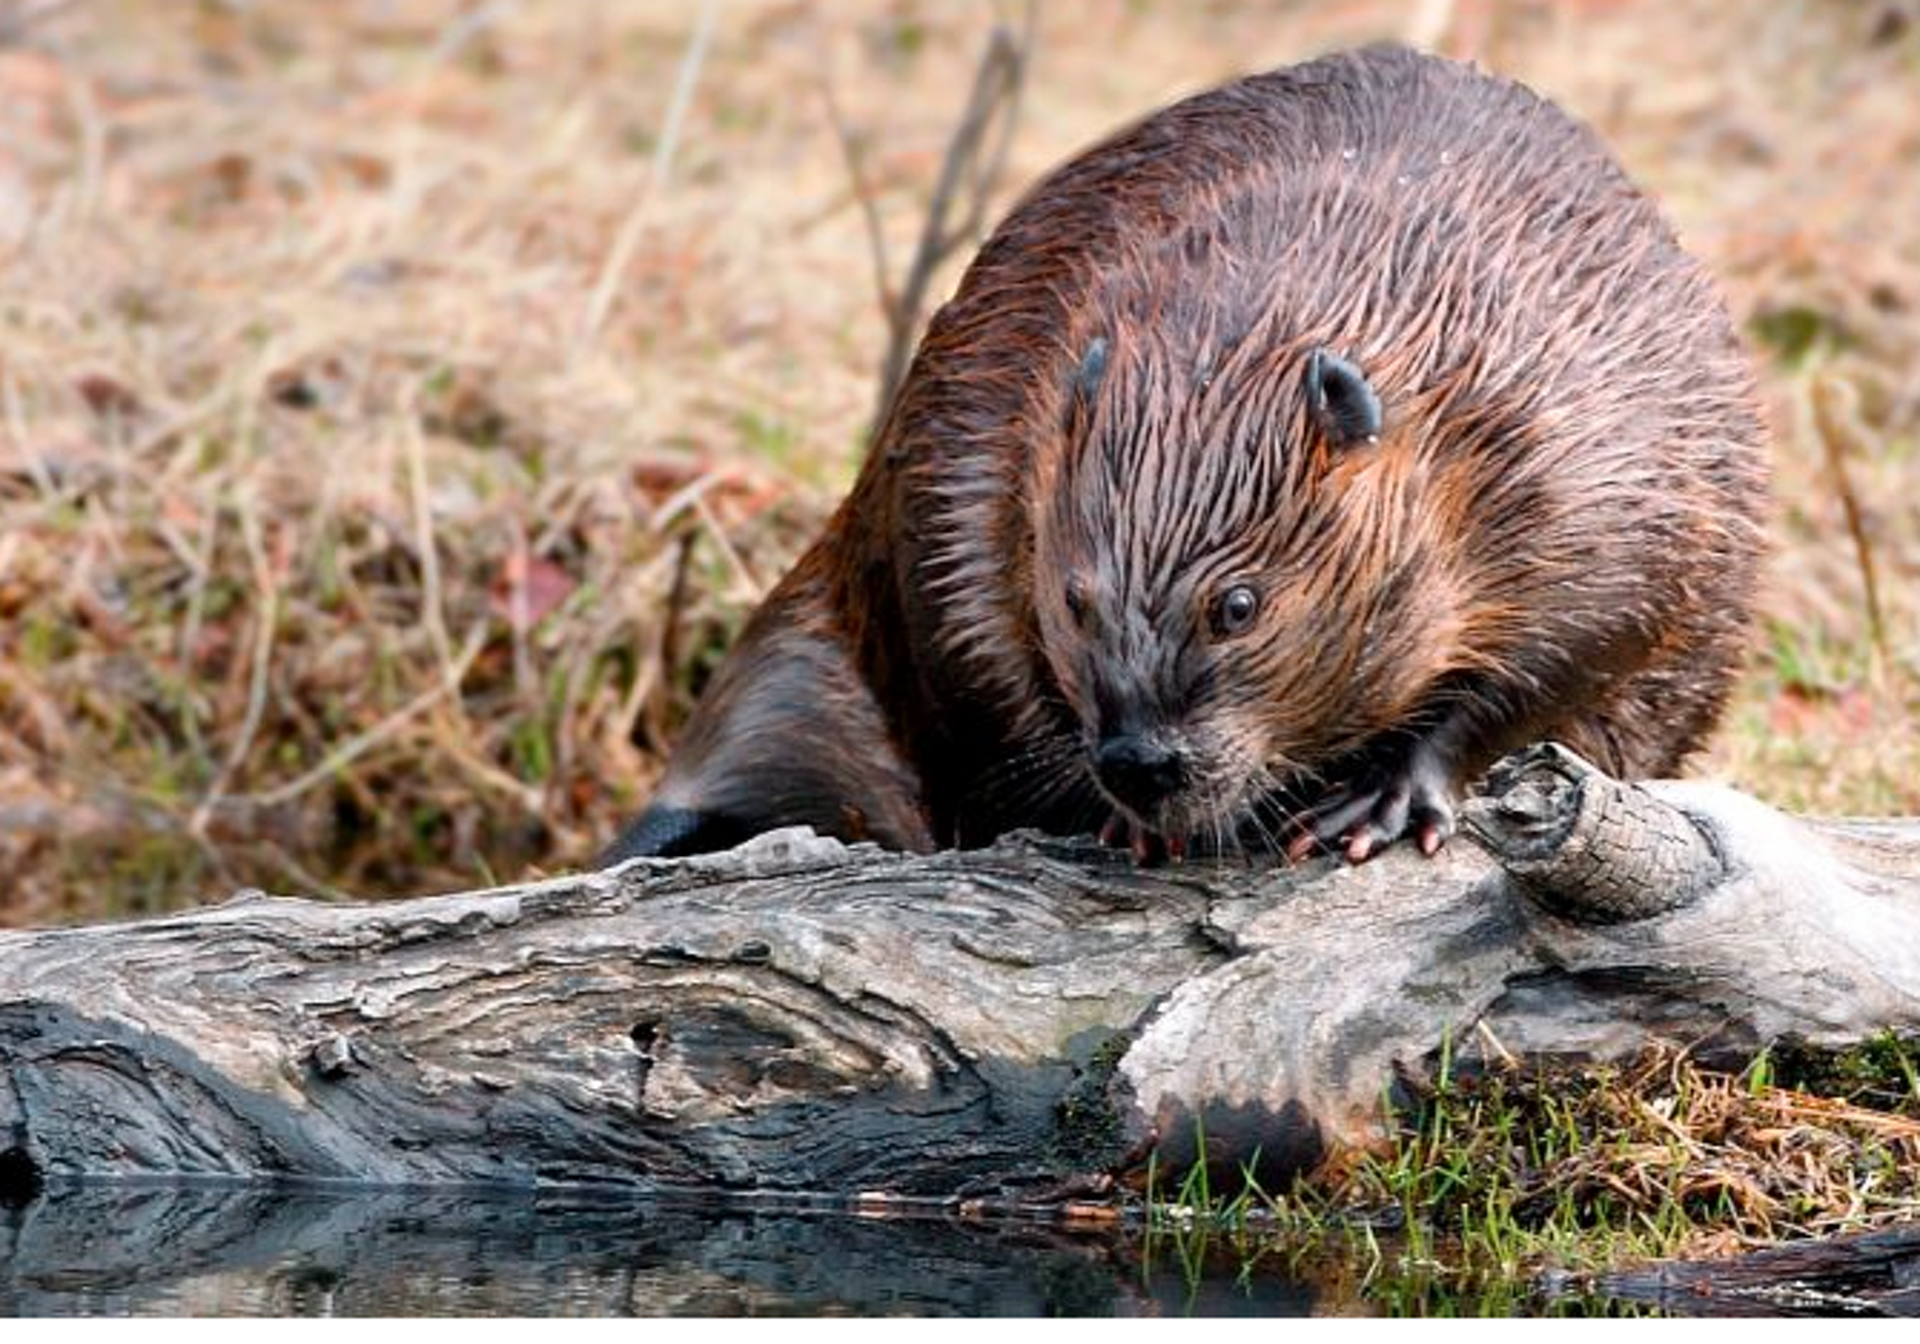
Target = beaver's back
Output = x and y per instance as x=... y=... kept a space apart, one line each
x=1574 y=492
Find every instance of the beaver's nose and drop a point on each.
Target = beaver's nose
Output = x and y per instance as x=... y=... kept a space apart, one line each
x=1139 y=771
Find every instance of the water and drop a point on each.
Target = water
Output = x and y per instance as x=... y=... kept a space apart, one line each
x=164 y=1251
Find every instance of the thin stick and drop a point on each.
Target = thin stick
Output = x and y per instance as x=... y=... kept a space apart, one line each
x=987 y=170
x=614 y=270
x=748 y=583
x=692 y=497
x=85 y=110
x=519 y=614
x=424 y=540
x=452 y=736
x=863 y=192
x=268 y=617
x=676 y=603
x=361 y=743
x=1840 y=434
x=638 y=695
x=651 y=697
x=201 y=574
x=994 y=102
x=463 y=29
x=23 y=440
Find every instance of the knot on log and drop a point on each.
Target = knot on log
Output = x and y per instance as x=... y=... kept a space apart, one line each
x=20 y=1178
x=333 y=1056
x=1588 y=846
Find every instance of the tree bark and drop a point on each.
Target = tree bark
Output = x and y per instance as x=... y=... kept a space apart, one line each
x=795 y=1015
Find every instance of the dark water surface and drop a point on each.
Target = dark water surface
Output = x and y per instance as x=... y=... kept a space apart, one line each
x=240 y=1252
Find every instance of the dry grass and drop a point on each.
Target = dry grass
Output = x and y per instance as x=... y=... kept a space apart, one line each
x=1507 y=1179
x=346 y=471
x=1686 y=1158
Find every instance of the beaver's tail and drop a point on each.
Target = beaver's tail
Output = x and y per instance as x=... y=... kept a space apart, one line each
x=788 y=733
x=665 y=832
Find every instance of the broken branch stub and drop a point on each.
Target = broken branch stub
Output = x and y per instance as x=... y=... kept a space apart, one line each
x=1587 y=845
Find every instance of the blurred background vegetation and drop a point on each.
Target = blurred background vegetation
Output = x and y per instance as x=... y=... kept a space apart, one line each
x=400 y=406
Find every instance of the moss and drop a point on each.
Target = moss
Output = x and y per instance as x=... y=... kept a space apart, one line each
x=1087 y=1130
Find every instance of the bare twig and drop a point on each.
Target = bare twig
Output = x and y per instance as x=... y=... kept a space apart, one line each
x=614 y=270
x=987 y=167
x=200 y=574
x=267 y=617
x=746 y=582
x=454 y=737
x=676 y=600
x=854 y=151
x=520 y=615
x=1839 y=432
x=640 y=695
x=691 y=498
x=432 y=600
x=655 y=704
x=22 y=438
x=351 y=750
x=969 y=175
x=463 y=28
x=91 y=160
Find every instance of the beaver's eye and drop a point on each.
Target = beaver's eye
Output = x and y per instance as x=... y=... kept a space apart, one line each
x=1076 y=600
x=1233 y=613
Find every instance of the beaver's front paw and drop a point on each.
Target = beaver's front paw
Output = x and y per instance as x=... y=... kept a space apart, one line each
x=1408 y=793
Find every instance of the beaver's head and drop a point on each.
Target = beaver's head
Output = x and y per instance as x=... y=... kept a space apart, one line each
x=1234 y=579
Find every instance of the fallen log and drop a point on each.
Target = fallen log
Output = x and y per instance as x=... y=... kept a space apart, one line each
x=1865 y=1274
x=798 y=1015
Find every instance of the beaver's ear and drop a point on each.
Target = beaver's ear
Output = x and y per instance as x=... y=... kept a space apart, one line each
x=1086 y=381
x=1343 y=402
x=1093 y=367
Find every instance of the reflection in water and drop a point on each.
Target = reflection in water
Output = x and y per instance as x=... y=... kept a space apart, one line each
x=172 y=1251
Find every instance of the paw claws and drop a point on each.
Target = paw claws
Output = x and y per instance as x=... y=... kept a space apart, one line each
x=1149 y=849
x=1362 y=817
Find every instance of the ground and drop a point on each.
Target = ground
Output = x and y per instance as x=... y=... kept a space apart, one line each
x=375 y=378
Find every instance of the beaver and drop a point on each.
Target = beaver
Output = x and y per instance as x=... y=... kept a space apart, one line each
x=1278 y=464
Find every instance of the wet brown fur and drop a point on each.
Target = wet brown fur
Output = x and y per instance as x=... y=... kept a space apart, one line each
x=1556 y=534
